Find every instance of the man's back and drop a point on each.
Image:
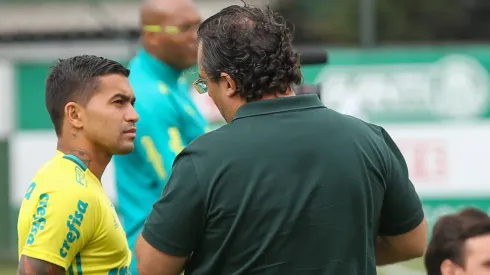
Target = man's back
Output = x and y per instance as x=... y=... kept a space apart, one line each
x=67 y=219
x=290 y=186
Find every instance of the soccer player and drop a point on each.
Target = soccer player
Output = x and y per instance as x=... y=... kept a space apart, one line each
x=169 y=118
x=67 y=224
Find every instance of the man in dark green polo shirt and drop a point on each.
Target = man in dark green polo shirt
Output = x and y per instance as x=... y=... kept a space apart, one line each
x=288 y=186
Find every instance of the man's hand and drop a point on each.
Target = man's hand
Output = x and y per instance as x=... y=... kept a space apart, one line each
x=154 y=262
x=31 y=266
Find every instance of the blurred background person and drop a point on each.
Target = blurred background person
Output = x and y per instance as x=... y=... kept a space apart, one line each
x=460 y=244
x=169 y=118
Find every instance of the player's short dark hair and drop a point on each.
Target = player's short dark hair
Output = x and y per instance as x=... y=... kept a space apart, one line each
x=475 y=213
x=253 y=46
x=75 y=79
x=450 y=234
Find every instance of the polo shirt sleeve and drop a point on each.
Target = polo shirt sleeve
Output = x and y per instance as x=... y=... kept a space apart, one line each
x=176 y=222
x=402 y=210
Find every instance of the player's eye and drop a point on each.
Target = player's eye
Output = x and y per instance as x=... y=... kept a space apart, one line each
x=119 y=102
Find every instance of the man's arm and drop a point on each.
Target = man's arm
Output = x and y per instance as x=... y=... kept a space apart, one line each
x=393 y=249
x=175 y=224
x=63 y=224
x=153 y=261
x=32 y=266
x=403 y=228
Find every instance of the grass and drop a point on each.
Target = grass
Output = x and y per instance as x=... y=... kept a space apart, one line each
x=414 y=267
x=8 y=270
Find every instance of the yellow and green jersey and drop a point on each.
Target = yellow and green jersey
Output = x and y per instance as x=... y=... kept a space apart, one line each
x=67 y=219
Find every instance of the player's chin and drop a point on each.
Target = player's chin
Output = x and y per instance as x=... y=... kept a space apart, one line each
x=124 y=149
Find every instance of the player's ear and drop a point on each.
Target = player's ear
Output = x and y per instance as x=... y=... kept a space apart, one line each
x=73 y=114
x=448 y=267
x=229 y=84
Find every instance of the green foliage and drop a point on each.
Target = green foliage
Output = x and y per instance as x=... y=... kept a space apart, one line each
x=337 y=21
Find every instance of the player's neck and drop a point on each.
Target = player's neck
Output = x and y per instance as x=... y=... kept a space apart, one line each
x=96 y=160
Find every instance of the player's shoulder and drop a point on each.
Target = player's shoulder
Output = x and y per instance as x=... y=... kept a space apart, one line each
x=65 y=176
x=151 y=95
x=65 y=168
x=145 y=83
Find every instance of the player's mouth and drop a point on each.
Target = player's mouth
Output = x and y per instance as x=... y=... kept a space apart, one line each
x=131 y=132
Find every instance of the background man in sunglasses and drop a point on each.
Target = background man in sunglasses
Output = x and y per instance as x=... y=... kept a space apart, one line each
x=169 y=120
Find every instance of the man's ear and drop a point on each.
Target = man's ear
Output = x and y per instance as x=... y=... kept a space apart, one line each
x=73 y=113
x=448 y=267
x=229 y=83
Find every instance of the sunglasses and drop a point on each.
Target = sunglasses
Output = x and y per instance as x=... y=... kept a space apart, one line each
x=171 y=29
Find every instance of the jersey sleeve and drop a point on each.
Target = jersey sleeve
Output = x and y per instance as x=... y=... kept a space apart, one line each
x=154 y=142
x=64 y=222
x=195 y=124
x=402 y=210
x=158 y=139
x=176 y=222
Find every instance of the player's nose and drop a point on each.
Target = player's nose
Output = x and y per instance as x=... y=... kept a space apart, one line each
x=132 y=115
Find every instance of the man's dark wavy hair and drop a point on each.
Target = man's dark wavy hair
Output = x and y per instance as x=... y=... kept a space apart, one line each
x=253 y=46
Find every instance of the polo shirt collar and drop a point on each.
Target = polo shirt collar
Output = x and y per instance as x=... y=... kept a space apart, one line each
x=278 y=105
x=163 y=70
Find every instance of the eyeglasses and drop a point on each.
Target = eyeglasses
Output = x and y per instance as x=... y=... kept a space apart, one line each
x=200 y=85
x=171 y=29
